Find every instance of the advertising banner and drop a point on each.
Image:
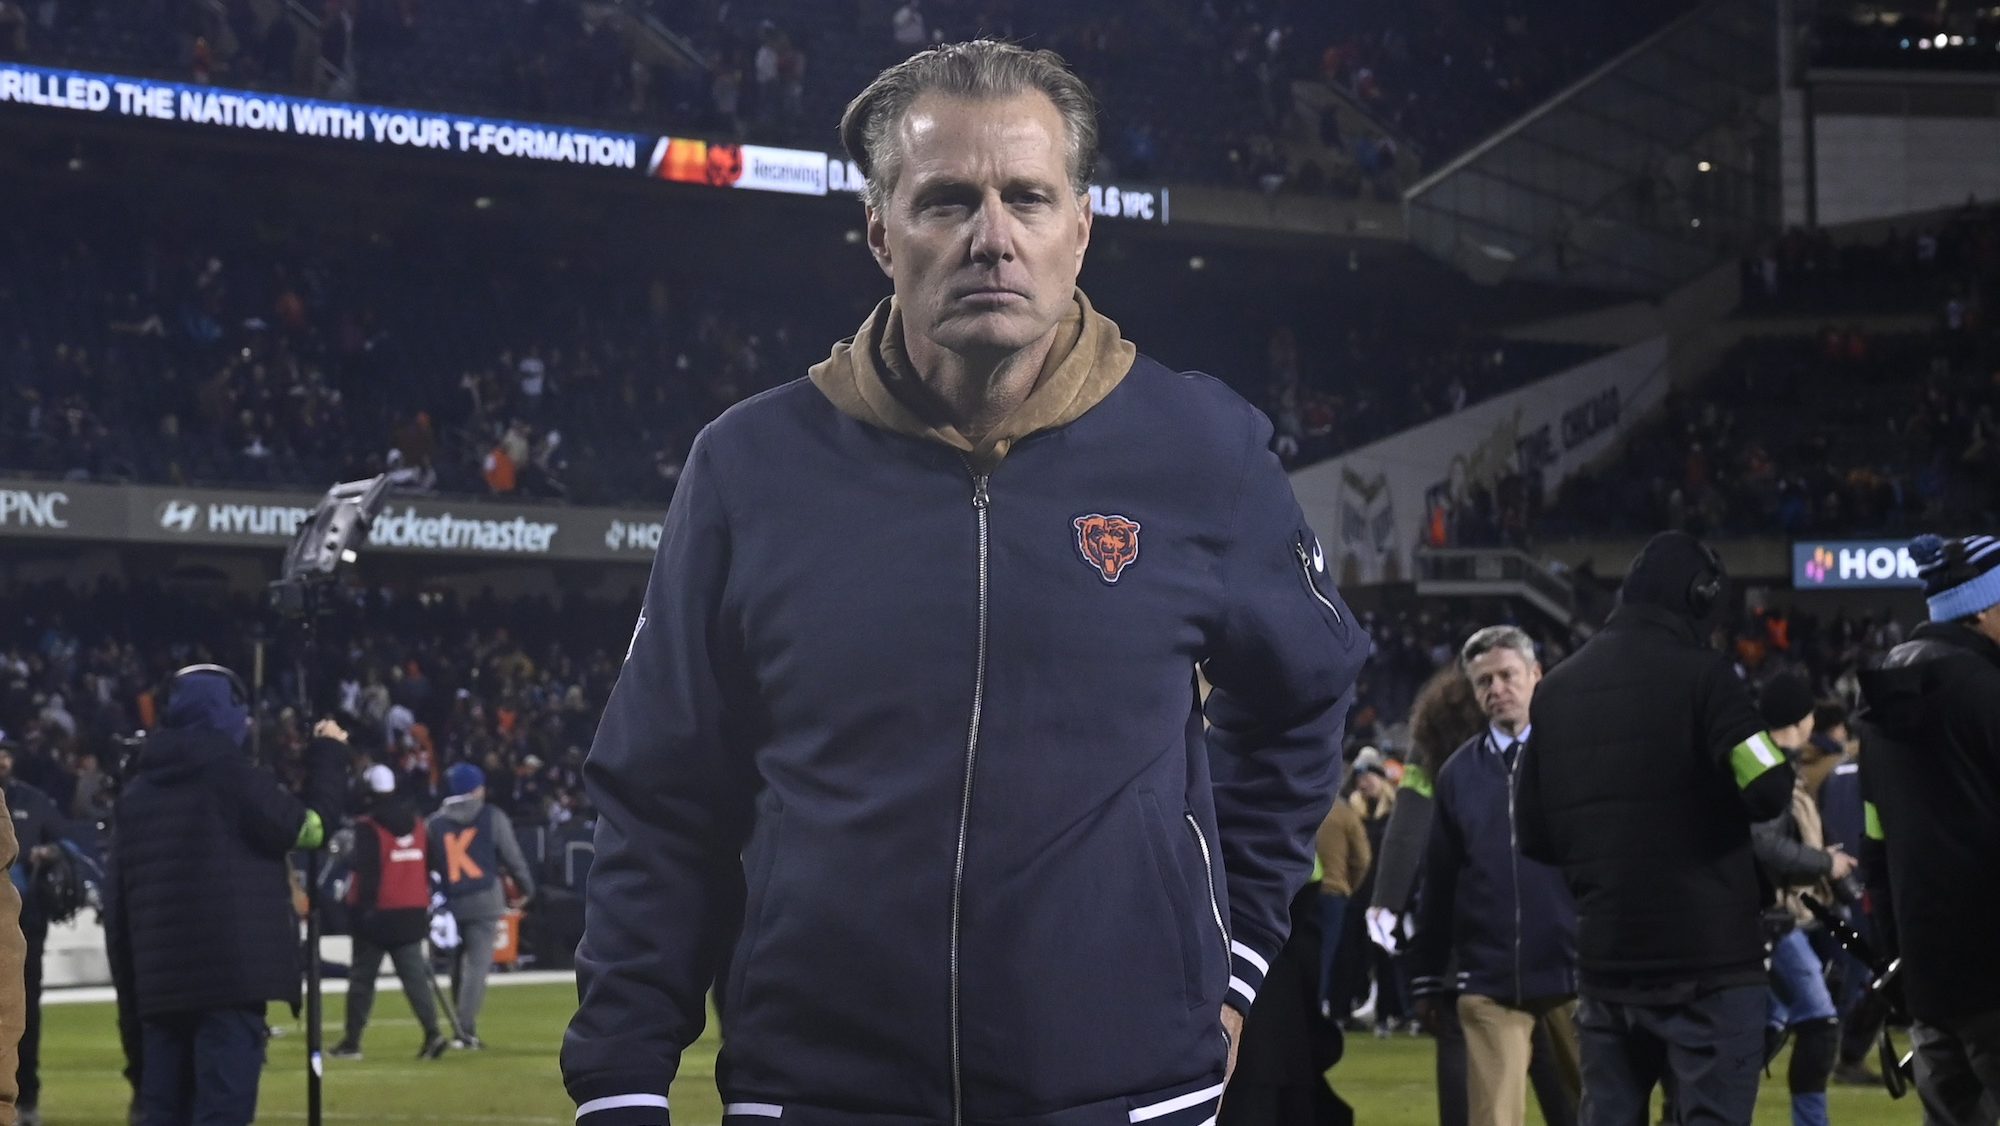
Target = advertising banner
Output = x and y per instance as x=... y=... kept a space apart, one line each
x=1369 y=507
x=680 y=160
x=231 y=518
x=1853 y=565
x=715 y=164
x=147 y=99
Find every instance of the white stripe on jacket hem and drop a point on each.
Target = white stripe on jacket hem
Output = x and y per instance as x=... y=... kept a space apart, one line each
x=1178 y=1102
x=620 y=1102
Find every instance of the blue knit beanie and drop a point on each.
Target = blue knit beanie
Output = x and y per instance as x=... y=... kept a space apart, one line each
x=1961 y=576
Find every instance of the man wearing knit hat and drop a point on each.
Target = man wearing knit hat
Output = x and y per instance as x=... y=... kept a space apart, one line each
x=474 y=842
x=1930 y=772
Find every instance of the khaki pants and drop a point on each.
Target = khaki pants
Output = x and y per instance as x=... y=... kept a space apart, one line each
x=1499 y=1040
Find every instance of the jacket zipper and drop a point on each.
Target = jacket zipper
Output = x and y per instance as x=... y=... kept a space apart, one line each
x=1514 y=857
x=1208 y=866
x=980 y=500
x=1306 y=570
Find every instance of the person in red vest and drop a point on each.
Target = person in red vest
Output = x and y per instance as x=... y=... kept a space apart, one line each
x=389 y=901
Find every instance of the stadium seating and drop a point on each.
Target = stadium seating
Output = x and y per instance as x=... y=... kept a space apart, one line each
x=1905 y=425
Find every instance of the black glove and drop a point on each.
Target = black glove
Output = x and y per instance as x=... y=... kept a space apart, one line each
x=326 y=779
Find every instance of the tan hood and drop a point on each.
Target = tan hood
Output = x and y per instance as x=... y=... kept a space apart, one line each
x=870 y=378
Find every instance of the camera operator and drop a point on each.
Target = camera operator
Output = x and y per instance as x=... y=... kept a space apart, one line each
x=1792 y=851
x=204 y=933
x=1930 y=773
x=37 y=823
x=1648 y=765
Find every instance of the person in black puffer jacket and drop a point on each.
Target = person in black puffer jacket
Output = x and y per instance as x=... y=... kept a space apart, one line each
x=1648 y=765
x=202 y=934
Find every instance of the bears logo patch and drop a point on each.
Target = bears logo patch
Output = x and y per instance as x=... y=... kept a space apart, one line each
x=1108 y=543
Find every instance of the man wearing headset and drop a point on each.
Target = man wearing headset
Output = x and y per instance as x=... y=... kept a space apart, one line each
x=204 y=935
x=1648 y=766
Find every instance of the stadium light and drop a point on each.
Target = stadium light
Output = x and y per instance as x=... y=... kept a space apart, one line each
x=1704 y=166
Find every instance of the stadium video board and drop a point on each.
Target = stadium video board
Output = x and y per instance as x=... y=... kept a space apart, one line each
x=1853 y=564
x=680 y=160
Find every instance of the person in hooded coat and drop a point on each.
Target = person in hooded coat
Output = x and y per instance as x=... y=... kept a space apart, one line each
x=474 y=843
x=1649 y=764
x=203 y=934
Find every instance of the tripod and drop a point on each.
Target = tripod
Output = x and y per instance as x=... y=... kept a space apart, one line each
x=324 y=543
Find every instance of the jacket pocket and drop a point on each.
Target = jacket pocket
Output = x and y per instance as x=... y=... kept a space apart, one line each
x=760 y=871
x=1182 y=909
x=1311 y=561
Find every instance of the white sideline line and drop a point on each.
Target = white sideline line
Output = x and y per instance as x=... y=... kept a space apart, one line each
x=97 y=994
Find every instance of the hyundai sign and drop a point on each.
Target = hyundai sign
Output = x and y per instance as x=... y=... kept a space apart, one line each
x=1853 y=565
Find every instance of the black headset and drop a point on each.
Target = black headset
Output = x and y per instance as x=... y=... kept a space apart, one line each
x=237 y=691
x=1705 y=589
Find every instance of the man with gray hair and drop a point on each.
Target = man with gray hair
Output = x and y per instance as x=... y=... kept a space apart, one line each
x=1498 y=930
x=906 y=760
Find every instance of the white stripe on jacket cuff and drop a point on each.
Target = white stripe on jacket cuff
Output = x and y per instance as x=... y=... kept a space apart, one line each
x=621 y=1102
x=1246 y=973
x=1242 y=989
x=1252 y=957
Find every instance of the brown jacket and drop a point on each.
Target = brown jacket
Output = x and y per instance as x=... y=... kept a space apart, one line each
x=1343 y=849
x=13 y=965
x=1805 y=811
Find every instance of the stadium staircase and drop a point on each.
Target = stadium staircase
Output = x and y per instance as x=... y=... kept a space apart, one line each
x=1641 y=176
x=1499 y=572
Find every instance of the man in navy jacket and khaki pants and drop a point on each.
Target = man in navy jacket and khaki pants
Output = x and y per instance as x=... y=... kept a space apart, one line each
x=1498 y=930
x=906 y=760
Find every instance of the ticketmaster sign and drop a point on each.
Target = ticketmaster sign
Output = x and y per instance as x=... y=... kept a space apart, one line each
x=419 y=525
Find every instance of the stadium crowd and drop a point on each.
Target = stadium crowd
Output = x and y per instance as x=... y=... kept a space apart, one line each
x=430 y=679
x=164 y=355
x=425 y=681
x=1906 y=422
x=229 y=352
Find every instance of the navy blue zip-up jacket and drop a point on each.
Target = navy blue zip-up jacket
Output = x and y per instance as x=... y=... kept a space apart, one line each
x=920 y=783
x=1509 y=921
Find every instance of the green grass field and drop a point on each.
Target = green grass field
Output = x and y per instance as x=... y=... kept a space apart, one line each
x=1388 y=1082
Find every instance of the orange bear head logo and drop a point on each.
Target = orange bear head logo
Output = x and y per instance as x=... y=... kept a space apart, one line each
x=1108 y=543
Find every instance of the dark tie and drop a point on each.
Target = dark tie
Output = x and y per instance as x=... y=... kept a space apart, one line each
x=1512 y=752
